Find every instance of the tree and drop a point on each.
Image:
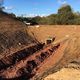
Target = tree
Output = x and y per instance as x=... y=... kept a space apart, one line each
x=64 y=9
x=36 y=20
x=52 y=19
x=65 y=14
x=12 y=15
x=44 y=21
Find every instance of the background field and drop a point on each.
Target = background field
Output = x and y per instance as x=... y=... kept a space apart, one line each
x=59 y=31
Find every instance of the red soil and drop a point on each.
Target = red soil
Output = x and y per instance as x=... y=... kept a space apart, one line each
x=52 y=60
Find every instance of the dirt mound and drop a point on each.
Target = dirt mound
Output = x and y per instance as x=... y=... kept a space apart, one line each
x=65 y=74
x=12 y=32
x=8 y=22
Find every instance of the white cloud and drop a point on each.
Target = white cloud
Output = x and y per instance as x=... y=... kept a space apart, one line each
x=33 y=15
x=62 y=1
x=9 y=8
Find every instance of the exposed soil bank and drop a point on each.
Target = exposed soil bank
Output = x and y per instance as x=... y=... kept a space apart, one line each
x=11 y=59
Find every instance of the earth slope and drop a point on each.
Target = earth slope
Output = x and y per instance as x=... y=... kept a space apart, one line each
x=13 y=32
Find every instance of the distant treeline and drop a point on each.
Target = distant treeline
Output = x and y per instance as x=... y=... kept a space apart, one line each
x=64 y=16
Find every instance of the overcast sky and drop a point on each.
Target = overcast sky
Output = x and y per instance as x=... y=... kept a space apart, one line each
x=38 y=7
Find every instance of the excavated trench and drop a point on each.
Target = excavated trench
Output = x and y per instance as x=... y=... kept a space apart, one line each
x=12 y=59
x=29 y=66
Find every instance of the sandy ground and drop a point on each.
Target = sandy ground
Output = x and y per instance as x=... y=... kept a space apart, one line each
x=65 y=74
x=59 y=31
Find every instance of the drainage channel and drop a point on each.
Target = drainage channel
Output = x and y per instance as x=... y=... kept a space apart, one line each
x=29 y=66
x=7 y=61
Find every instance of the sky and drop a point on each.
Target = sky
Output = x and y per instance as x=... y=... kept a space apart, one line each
x=38 y=7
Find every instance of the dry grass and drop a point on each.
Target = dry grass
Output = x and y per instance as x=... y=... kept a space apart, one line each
x=44 y=31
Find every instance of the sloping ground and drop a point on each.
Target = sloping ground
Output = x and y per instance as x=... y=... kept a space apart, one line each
x=51 y=62
x=73 y=31
x=35 y=64
x=12 y=33
x=8 y=22
x=11 y=59
x=72 y=51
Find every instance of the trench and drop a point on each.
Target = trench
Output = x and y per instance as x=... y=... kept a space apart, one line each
x=7 y=61
x=27 y=72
